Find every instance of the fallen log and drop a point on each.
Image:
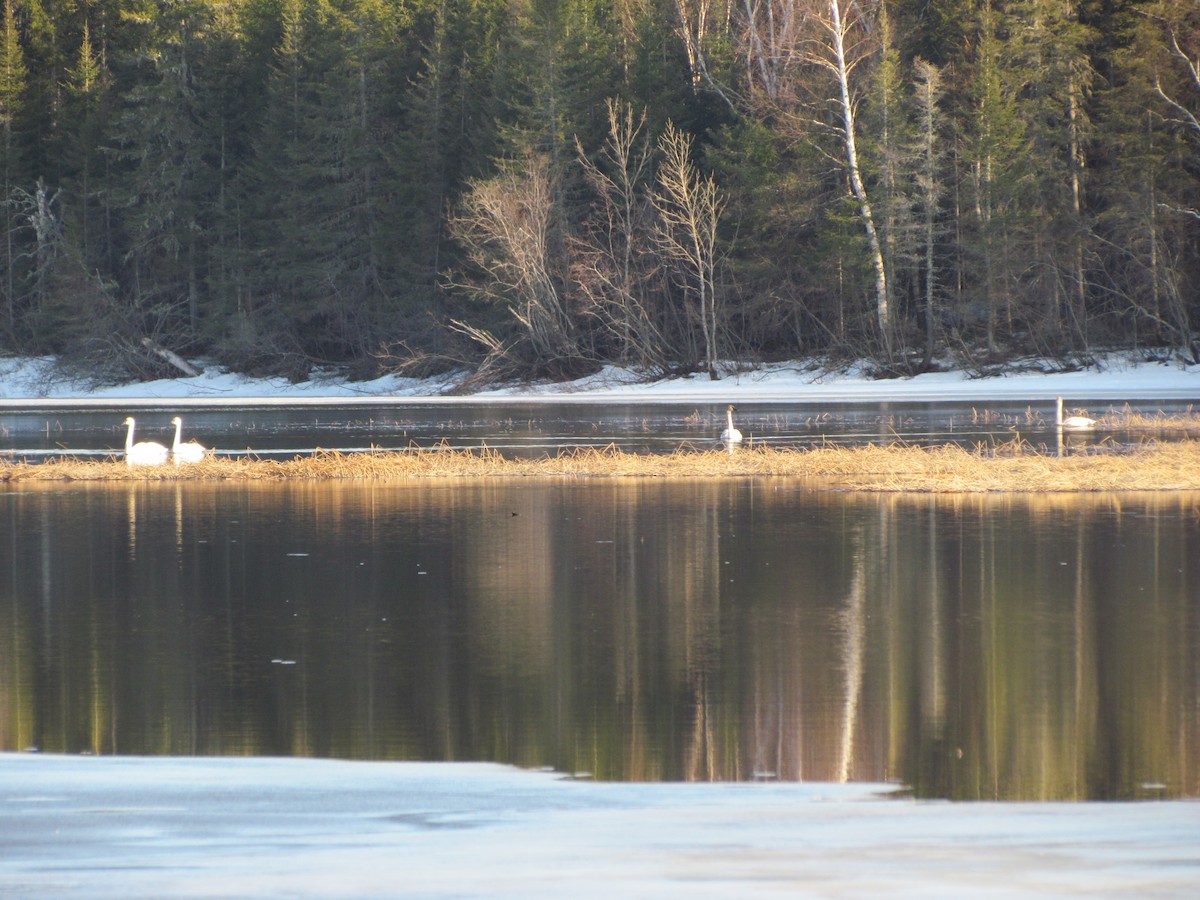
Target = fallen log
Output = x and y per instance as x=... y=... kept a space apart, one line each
x=172 y=357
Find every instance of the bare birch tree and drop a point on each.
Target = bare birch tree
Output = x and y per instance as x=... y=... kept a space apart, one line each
x=1169 y=272
x=846 y=45
x=783 y=40
x=696 y=21
x=772 y=41
x=689 y=208
x=1179 y=110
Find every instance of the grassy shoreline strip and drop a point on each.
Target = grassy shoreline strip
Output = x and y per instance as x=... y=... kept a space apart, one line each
x=941 y=469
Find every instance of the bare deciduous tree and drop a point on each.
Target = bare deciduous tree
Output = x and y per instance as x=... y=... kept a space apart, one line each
x=772 y=39
x=1181 y=113
x=1167 y=270
x=505 y=225
x=612 y=258
x=689 y=208
x=696 y=21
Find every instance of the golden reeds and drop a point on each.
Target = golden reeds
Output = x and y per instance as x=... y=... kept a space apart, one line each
x=1129 y=419
x=1014 y=467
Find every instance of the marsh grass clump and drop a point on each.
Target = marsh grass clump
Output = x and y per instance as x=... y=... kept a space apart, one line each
x=1012 y=467
x=1129 y=419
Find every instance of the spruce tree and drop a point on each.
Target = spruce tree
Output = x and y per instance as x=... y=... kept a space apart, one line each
x=12 y=89
x=161 y=153
x=1047 y=68
x=321 y=190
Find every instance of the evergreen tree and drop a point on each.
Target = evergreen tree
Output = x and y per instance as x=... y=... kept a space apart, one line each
x=1047 y=68
x=998 y=183
x=12 y=88
x=321 y=190
x=239 y=44
x=161 y=160
x=84 y=102
x=930 y=155
x=447 y=132
x=889 y=152
x=1149 y=140
x=272 y=178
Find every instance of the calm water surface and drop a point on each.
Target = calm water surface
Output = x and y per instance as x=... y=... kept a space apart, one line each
x=973 y=647
x=540 y=428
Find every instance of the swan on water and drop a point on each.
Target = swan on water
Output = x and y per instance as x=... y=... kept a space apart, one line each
x=189 y=452
x=730 y=435
x=143 y=453
x=1078 y=423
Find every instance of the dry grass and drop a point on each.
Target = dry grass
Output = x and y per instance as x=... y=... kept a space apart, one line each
x=1129 y=419
x=1015 y=467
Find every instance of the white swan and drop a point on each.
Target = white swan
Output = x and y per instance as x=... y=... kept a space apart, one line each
x=730 y=435
x=143 y=453
x=1075 y=423
x=189 y=452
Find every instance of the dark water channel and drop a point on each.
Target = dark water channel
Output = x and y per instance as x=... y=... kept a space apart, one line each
x=539 y=428
x=971 y=647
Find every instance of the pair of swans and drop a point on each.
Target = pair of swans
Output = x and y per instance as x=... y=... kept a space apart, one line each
x=151 y=453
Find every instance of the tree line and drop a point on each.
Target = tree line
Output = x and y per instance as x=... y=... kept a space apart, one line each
x=536 y=188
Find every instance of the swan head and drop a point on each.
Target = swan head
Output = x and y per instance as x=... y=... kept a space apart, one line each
x=177 y=421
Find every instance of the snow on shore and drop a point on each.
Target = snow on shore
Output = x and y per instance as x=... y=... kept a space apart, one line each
x=26 y=381
x=101 y=827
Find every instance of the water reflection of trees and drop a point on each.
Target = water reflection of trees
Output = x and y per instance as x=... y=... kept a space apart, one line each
x=970 y=646
x=1068 y=682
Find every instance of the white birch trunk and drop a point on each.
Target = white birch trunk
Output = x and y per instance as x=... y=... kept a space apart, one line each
x=837 y=28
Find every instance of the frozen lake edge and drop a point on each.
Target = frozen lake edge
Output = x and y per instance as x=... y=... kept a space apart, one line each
x=236 y=826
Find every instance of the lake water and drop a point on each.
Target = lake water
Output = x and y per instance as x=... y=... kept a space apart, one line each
x=34 y=433
x=969 y=646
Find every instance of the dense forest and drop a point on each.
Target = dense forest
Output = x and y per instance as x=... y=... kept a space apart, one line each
x=535 y=188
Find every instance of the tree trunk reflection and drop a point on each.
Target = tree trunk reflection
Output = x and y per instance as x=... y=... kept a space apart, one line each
x=972 y=647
